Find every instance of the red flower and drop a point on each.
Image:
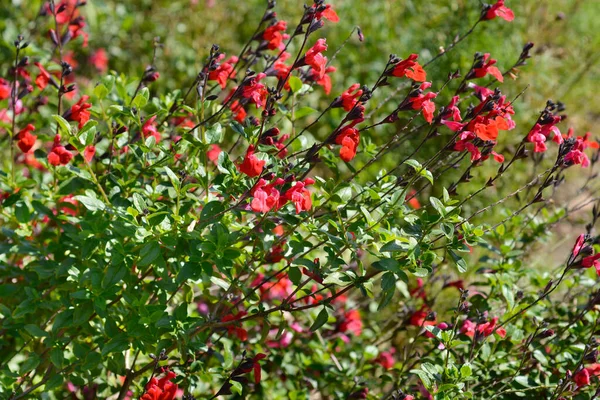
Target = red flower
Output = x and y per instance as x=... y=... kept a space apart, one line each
x=273 y=35
x=499 y=10
x=419 y=318
x=300 y=196
x=239 y=112
x=241 y=333
x=315 y=59
x=161 y=389
x=254 y=91
x=423 y=102
x=149 y=129
x=43 y=78
x=59 y=155
x=410 y=68
x=350 y=97
x=99 y=60
x=578 y=244
x=5 y=89
x=582 y=378
x=251 y=165
x=26 y=139
x=413 y=201
x=325 y=80
x=327 y=13
x=352 y=322
x=251 y=364
x=265 y=195
x=468 y=328
x=349 y=139
x=213 y=153
x=88 y=153
x=224 y=71
x=386 y=359
x=488 y=68
x=80 y=111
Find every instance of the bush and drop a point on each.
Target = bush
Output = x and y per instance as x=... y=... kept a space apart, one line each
x=257 y=234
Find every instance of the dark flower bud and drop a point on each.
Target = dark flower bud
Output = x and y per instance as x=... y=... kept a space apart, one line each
x=431 y=316
x=361 y=36
x=546 y=333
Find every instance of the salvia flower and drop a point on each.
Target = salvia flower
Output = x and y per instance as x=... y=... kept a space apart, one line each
x=349 y=98
x=265 y=195
x=161 y=389
x=80 y=111
x=300 y=195
x=254 y=91
x=348 y=138
x=149 y=129
x=251 y=165
x=88 y=153
x=26 y=140
x=486 y=67
x=274 y=36
x=410 y=68
x=59 y=155
x=316 y=59
x=325 y=11
x=224 y=71
x=499 y=10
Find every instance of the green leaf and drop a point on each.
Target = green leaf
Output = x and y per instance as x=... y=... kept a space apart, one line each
x=303 y=112
x=321 y=320
x=214 y=134
x=172 y=177
x=63 y=125
x=36 y=331
x=460 y=263
x=438 y=205
x=295 y=275
x=141 y=99
x=149 y=253
x=295 y=83
x=116 y=344
x=91 y=203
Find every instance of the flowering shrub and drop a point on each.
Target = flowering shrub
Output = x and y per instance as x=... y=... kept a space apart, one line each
x=209 y=242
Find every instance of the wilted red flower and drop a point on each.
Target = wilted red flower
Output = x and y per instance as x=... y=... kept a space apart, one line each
x=149 y=129
x=499 y=10
x=26 y=139
x=80 y=111
x=578 y=245
x=251 y=165
x=348 y=138
x=410 y=68
x=161 y=389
